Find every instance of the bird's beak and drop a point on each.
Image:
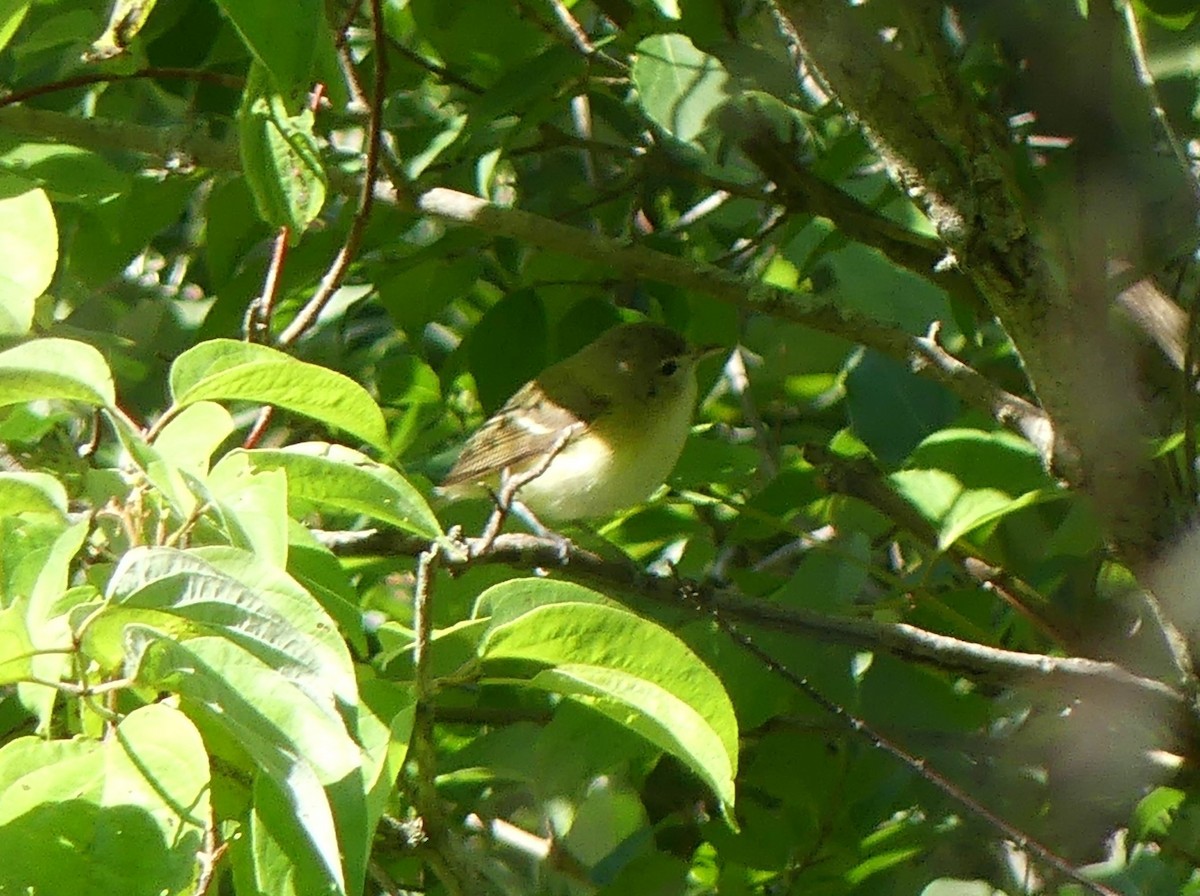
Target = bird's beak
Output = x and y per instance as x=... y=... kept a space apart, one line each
x=707 y=351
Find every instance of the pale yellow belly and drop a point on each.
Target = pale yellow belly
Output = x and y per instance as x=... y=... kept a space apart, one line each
x=590 y=478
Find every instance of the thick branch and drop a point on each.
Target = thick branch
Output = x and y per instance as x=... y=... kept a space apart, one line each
x=978 y=661
x=629 y=260
x=1044 y=276
x=812 y=311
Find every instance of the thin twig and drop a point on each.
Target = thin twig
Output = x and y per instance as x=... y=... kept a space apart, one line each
x=1137 y=49
x=341 y=263
x=434 y=68
x=978 y=661
x=210 y=857
x=261 y=422
x=380 y=875
x=920 y=767
x=233 y=82
x=739 y=383
x=423 y=621
x=258 y=317
x=340 y=35
x=573 y=33
x=446 y=856
x=571 y=26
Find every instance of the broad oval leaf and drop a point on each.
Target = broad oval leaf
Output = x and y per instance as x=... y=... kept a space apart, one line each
x=29 y=247
x=678 y=85
x=232 y=593
x=229 y=370
x=128 y=813
x=57 y=369
x=964 y=479
x=32 y=493
x=259 y=706
x=191 y=437
x=336 y=478
x=624 y=663
x=280 y=157
x=659 y=716
x=253 y=506
x=285 y=43
x=509 y=599
x=226 y=688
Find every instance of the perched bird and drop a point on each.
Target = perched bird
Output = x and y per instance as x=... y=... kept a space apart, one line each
x=604 y=426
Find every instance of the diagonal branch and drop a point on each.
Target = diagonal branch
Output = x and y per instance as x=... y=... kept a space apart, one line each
x=981 y=662
x=630 y=260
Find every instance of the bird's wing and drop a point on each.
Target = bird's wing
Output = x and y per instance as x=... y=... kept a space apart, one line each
x=524 y=429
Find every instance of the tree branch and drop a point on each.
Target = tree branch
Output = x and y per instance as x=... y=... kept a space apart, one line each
x=1042 y=275
x=631 y=260
x=994 y=665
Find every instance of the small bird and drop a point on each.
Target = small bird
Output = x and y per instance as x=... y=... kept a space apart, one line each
x=605 y=426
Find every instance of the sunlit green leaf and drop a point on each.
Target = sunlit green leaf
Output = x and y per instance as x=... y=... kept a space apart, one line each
x=55 y=369
x=227 y=689
x=128 y=814
x=678 y=85
x=29 y=247
x=248 y=601
x=229 y=370
x=635 y=672
x=32 y=493
x=284 y=44
x=335 y=479
x=280 y=157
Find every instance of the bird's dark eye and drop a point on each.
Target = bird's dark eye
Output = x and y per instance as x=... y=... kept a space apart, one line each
x=669 y=367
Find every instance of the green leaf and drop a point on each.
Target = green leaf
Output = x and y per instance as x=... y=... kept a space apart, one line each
x=281 y=160
x=285 y=44
x=678 y=85
x=965 y=479
x=225 y=688
x=229 y=370
x=189 y=439
x=12 y=13
x=980 y=459
x=651 y=711
x=1153 y=815
x=417 y=289
x=128 y=814
x=66 y=173
x=508 y=347
x=32 y=493
x=1174 y=14
x=633 y=671
x=29 y=247
x=175 y=488
x=55 y=369
x=273 y=857
x=978 y=508
x=254 y=507
x=511 y=598
x=333 y=478
x=247 y=601
x=891 y=409
x=16 y=648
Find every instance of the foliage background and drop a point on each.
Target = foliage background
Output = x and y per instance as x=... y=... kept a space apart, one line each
x=915 y=612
